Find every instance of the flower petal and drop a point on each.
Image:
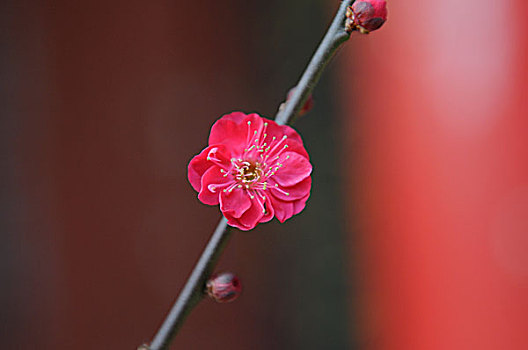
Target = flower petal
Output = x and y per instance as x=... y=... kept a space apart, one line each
x=213 y=181
x=270 y=212
x=249 y=219
x=283 y=210
x=292 y=193
x=234 y=203
x=299 y=205
x=200 y=163
x=232 y=131
x=293 y=139
x=237 y=117
x=256 y=120
x=297 y=147
x=294 y=169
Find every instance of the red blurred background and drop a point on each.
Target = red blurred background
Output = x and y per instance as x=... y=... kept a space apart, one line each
x=416 y=234
x=439 y=153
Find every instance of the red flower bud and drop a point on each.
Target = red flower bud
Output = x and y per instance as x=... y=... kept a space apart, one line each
x=366 y=15
x=223 y=287
x=308 y=105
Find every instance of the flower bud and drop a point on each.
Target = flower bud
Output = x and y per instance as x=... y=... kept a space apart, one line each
x=366 y=15
x=308 y=105
x=224 y=287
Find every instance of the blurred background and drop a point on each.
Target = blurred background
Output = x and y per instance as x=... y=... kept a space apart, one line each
x=416 y=233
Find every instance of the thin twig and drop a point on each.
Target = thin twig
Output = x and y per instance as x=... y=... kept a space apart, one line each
x=193 y=291
x=335 y=36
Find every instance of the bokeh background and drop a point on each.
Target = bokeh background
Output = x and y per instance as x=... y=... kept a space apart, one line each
x=416 y=233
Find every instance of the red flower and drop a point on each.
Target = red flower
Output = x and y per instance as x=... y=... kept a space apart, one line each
x=254 y=168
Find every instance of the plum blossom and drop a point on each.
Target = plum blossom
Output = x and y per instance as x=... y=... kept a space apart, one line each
x=254 y=168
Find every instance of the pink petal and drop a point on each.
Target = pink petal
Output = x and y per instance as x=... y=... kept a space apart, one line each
x=199 y=164
x=270 y=212
x=293 y=137
x=279 y=131
x=232 y=221
x=256 y=121
x=213 y=181
x=295 y=169
x=297 y=147
x=237 y=117
x=251 y=217
x=299 y=205
x=294 y=192
x=227 y=132
x=283 y=210
x=234 y=203
x=233 y=131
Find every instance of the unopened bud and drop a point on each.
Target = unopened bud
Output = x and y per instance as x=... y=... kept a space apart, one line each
x=366 y=15
x=308 y=105
x=223 y=287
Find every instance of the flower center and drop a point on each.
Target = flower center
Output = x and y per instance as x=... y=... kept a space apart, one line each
x=247 y=173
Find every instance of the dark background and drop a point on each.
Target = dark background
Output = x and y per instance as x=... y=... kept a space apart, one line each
x=103 y=104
